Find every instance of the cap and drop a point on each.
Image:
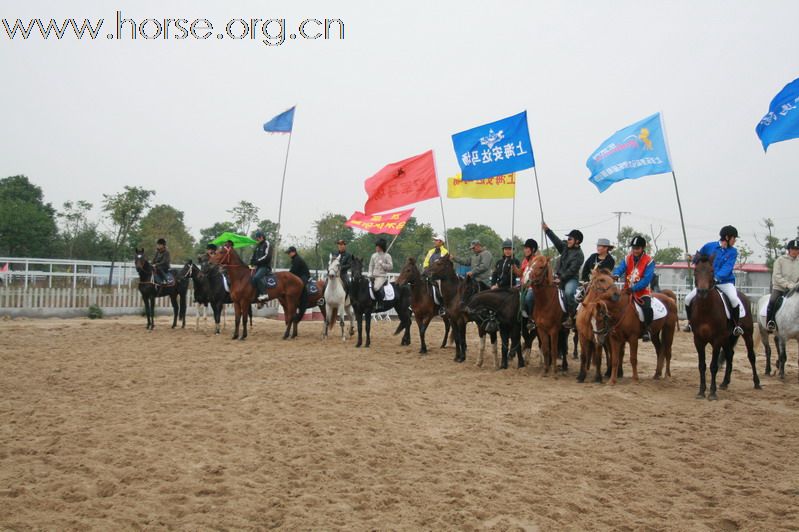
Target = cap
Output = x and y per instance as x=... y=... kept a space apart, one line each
x=438 y=237
x=290 y=249
x=575 y=234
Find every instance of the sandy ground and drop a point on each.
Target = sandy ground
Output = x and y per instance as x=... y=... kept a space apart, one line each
x=105 y=426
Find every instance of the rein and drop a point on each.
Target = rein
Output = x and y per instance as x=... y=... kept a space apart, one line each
x=605 y=313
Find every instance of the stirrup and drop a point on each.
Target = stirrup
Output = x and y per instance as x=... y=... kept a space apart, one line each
x=263 y=297
x=646 y=336
x=737 y=330
x=530 y=326
x=771 y=326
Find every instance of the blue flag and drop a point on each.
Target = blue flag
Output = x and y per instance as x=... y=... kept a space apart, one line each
x=498 y=148
x=635 y=151
x=281 y=123
x=782 y=121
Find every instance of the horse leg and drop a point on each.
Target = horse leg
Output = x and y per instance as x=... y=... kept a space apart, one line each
x=152 y=312
x=563 y=338
x=481 y=353
x=446 y=332
x=575 y=341
x=585 y=347
x=714 y=368
x=659 y=352
x=766 y=347
x=504 y=338
x=198 y=308
x=422 y=322
x=368 y=329
x=615 y=360
x=289 y=311
x=494 y=347
x=597 y=350
x=750 y=354
x=634 y=357
x=782 y=345
x=237 y=312
x=359 y=318
x=218 y=309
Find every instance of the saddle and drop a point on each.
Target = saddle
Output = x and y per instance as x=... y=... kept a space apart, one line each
x=659 y=310
x=166 y=280
x=387 y=291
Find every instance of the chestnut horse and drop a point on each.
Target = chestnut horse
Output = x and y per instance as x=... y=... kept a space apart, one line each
x=422 y=303
x=287 y=290
x=547 y=313
x=614 y=318
x=710 y=325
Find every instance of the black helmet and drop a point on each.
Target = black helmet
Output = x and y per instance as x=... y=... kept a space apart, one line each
x=728 y=231
x=507 y=244
x=381 y=243
x=792 y=244
x=212 y=247
x=576 y=234
x=532 y=244
x=161 y=241
x=290 y=249
x=259 y=234
x=638 y=242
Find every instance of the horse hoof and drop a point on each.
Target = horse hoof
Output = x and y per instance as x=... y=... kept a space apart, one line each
x=598 y=379
x=581 y=378
x=423 y=351
x=757 y=386
x=700 y=395
x=723 y=386
x=656 y=377
x=242 y=338
x=712 y=397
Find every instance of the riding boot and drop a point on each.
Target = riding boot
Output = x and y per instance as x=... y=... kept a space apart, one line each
x=687 y=327
x=771 y=325
x=735 y=313
x=646 y=336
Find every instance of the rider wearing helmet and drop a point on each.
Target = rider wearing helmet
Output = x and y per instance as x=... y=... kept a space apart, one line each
x=638 y=268
x=503 y=276
x=568 y=272
x=529 y=252
x=161 y=262
x=380 y=264
x=262 y=262
x=784 y=278
x=725 y=256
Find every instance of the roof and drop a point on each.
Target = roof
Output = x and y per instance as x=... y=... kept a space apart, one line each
x=747 y=268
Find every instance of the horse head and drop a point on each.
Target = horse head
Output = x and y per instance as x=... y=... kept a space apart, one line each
x=357 y=268
x=442 y=268
x=409 y=272
x=187 y=271
x=540 y=271
x=334 y=266
x=602 y=284
x=704 y=278
x=141 y=263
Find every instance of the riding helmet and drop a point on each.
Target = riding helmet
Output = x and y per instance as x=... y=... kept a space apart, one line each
x=576 y=234
x=212 y=247
x=381 y=243
x=728 y=231
x=259 y=234
x=532 y=244
x=792 y=244
x=638 y=242
x=161 y=242
x=507 y=244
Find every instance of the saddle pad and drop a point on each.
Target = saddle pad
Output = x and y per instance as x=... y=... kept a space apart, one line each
x=312 y=288
x=271 y=280
x=388 y=292
x=436 y=289
x=658 y=310
x=741 y=308
x=763 y=311
x=226 y=283
x=562 y=302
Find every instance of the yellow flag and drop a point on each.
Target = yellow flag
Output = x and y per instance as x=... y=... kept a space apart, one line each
x=500 y=187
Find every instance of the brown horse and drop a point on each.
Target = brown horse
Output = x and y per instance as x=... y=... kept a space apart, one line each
x=710 y=325
x=422 y=303
x=314 y=299
x=287 y=290
x=614 y=318
x=547 y=314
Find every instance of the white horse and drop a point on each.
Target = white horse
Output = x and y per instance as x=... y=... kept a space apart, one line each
x=337 y=302
x=787 y=319
x=764 y=333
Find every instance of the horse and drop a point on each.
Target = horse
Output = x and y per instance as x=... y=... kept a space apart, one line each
x=150 y=290
x=363 y=305
x=710 y=325
x=422 y=302
x=762 y=333
x=547 y=312
x=287 y=290
x=499 y=309
x=787 y=319
x=337 y=302
x=456 y=292
x=314 y=298
x=614 y=318
x=209 y=289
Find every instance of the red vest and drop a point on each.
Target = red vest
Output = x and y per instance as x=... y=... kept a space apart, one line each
x=635 y=272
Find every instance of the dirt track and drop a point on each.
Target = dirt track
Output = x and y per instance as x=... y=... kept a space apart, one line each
x=106 y=426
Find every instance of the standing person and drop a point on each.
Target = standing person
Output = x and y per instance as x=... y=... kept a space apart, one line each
x=530 y=251
x=262 y=262
x=503 y=276
x=571 y=260
x=160 y=262
x=479 y=262
x=784 y=278
x=436 y=252
x=638 y=269
x=724 y=257
x=344 y=262
x=300 y=269
x=379 y=266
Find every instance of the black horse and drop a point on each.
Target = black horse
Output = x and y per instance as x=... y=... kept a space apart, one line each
x=209 y=288
x=150 y=290
x=363 y=305
x=498 y=310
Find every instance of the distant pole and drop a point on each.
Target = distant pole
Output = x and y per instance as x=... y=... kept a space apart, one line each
x=682 y=221
x=540 y=207
x=280 y=207
x=441 y=202
x=513 y=221
x=618 y=225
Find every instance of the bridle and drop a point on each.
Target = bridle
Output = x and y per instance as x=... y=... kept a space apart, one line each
x=607 y=328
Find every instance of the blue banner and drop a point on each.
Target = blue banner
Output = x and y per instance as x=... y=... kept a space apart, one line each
x=282 y=123
x=635 y=151
x=498 y=148
x=782 y=120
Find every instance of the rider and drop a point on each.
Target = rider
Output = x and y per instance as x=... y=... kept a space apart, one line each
x=379 y=266
x=530 y=251
x=784 y=278
x=344 y=262
x=436 y=252
x=262 y=261
x=601 y=260
x=228 y=245
x=725 y=255
x=210 y=249
x=503 y=276
x=571 y=260
x=300 y=269
x=160 y=261
x=479 y=262
x=638 y=269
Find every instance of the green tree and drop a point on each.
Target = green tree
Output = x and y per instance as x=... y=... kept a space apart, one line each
x=245 y=215
x=210 y=233
x=461 y=237
x=668 y=255
x=744 y=251
x=74 y=222
x=771 y=244
x=329 y=228
x=165 y=221
x=125 y=209
x=27 y=224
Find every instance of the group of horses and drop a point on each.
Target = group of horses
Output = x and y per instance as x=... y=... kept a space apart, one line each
x=607 y=321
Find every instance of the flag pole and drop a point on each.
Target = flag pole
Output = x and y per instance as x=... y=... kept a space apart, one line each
x=392 y=241
x=676 y=191
x=280 y=206
x=513 y=222
x=441 y=202
x=540 y=207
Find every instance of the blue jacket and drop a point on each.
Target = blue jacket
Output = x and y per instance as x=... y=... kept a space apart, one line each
x=723 y=263
x=643 y=282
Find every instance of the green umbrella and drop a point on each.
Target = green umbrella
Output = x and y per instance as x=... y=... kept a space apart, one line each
x=239 y=241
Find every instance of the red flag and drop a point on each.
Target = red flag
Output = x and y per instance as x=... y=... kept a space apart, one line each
x=390 y=223
x=4 y=269
x=402 y=183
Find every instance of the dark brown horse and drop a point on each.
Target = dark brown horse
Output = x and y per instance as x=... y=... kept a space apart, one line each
x=614 y=318
x=150 y=291
x=710 y=325
x=315 y=298
x=547 y=313
x=422 y=303
x=287 y=290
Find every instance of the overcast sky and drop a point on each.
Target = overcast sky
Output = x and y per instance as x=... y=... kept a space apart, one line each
x=184 y=117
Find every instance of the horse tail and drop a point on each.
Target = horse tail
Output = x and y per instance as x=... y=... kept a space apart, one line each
x=182 y=302
x=332 y=320
x=400 y=327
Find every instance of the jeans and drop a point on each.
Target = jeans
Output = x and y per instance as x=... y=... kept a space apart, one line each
x=260 y=273
x=529 y=298
x=568 y=292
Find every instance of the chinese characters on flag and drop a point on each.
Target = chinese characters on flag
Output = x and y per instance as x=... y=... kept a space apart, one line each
x=390 y=223
x=402 y=183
